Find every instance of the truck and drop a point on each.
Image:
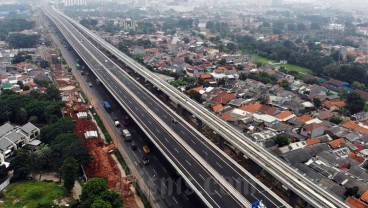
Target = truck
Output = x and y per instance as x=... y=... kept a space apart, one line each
x=107 y=106
x=146 y=149
x=126 y=134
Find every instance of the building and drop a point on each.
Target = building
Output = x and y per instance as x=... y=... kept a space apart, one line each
x=68 y=3
x=14 y=137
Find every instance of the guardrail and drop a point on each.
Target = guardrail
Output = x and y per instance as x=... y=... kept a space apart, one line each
x=309 y=191
x=201 y=161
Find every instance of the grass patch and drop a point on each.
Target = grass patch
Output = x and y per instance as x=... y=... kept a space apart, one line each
x=31 y=193
x=140 y=193
x=102 y=126
x=266 y=61
x=122 y=161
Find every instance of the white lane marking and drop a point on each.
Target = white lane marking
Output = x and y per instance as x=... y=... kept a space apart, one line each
x=142 y=114
x=218 y=193
x=182 y=131
x=158 y=131
x=205 y=152
x=175 y=200
x=149 y=122
x=201 y=176
x=155 y=171
x=156 y=157
x=188 y=162
x=192 y=141
x=219 y=165
x=185 y=196
x=235 y=179
x=164 y=116
x=176 y=150
x=164 y=169
x=141 y=138
x=166 y=139
x=164 y=185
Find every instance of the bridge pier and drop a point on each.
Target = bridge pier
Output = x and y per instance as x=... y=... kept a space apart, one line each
x=199 y=124
x=221 y=142
x=179 y=109
x=292 y=198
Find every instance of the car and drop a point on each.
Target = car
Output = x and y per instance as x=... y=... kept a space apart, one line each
x=90 y=84
x=133 y=146
x=146 y=149
x=106 y=61
x=145 y=160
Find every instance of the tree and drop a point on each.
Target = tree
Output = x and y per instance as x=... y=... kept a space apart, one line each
x=3 y=173
x=188 y=60
x=186 y=40
x=18 y=40
x=195 y=95
x=92 y=189
x=317 y=102
x=336 y=120
x=69 y=172
x=22 y=115
x=114 y=198
x=20 y=83
x=353 y=191
x=285 y=84
x=231 y=47
x=281 y=140
x=99 y=203
x=21 y=164
x=41 y=157
x=358 y=85
x=222 y=61
x=355 y=103
x=243 y=76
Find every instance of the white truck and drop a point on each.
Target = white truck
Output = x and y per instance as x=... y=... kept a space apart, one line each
x=126 y=134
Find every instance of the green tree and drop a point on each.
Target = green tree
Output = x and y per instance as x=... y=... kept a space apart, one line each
x=92 y=190
x=114 y=198
x=69 y=172
x=358 y=85
x=243 y=76
x=21 y=164
x=99 y=203
x=41 y=157
x=353 y=191
x=22 y=115
x=195 y=95
x=285 y=84
x=188 y=60
x=336 y=120
x=3 y=173
x=18 y=40
x=222 y=61
x=317 y=102
x=281 y=140
x=355 y=103
x=186 y=40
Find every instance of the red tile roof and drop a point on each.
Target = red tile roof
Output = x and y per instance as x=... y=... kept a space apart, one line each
x=252 y=108
x=227 y=116
x=337 y=104
x=197 y=89
x=325 y=115
x=217 y=107
x=304 y=118
x=364 y=196
x=312 y=141
x=284 y=114
x=336 y=143
x=223 y=98
x=355 y=203
x=354 y=126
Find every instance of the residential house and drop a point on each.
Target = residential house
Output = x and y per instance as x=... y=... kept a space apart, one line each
x=313 y=130
x=361 y=116
x=334 y=105
x=223 y=98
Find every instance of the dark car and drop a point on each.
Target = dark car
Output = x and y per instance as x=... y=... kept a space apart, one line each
x=145 y=160
x=133 y=146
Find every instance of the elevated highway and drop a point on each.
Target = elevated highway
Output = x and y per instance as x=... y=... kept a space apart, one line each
x=296 y=182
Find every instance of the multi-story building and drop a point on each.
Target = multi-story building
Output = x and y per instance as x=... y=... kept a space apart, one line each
x=68 y=3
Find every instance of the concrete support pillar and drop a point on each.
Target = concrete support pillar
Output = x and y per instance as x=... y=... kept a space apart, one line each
x=292 y=198
x=221 y=142
x=199 y=124
x=179 y=109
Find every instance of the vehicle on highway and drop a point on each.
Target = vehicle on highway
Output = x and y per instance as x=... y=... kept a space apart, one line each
x=90 y=84
x=126 y=134
x=133 y=146
x=146 y=149
x=106 y=61
x=126 y=121
x=107 y=106
x=258 y=204
x=145 y=160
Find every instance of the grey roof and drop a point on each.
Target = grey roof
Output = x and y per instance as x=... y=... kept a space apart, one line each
x=359 y=172
x=5 y=128
x=334 y=160
x=312 y=174
x=14 y=136
x=353 y=136
x=323 y=169
x=303 y=155
x=338 y=131
x=4 y=143
x=332 y=186
x=28 y=127
x=353 y=182
x=237 y=102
